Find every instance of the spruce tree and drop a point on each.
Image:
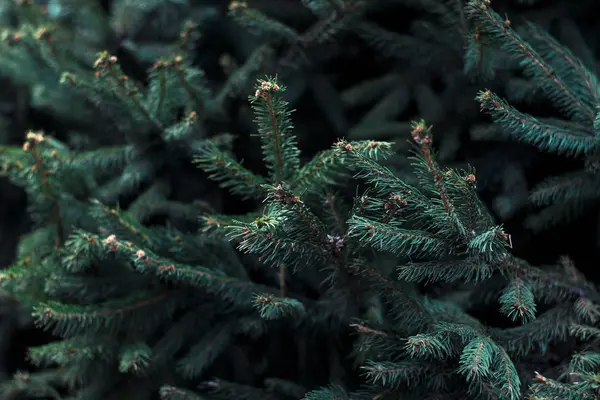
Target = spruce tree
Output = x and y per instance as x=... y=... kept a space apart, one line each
x=128 y=301
x=423 y=344
x=141 y=311
x=95 y=276
x=300 y=233
x=430 y=346
x=572 y=88
x=105 y=284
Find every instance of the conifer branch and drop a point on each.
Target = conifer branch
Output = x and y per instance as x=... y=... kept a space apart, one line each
x=500 y=30
x=546 y=136
x=107 y=62
x=184 y=83
x=421 y=136
x=33 y=140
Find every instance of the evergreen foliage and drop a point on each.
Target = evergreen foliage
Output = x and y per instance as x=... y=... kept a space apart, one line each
x=446 y=235
x=402 y=272
x=94 y=275
x=413 y=66
x=39 y=41
x=376 y=105
x=64 y=37
x=301 y=230
x=572 y=88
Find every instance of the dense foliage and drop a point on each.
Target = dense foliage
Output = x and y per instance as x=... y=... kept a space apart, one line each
x=353 y=270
